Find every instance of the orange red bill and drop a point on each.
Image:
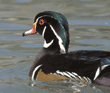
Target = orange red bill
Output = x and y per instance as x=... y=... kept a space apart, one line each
x=31 y=31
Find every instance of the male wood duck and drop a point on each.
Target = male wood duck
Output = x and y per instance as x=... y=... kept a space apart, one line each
x=51 y=64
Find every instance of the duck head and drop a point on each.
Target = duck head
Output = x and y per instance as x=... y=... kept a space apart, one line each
x=54 y=29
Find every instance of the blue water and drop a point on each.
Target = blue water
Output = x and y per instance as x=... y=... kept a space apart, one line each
x=89 y=23
x=103 y=22
x=32 y=45
x=13 y=26
x=13 y=53
x=21 y=1
x=11 y=38
x=15 y=72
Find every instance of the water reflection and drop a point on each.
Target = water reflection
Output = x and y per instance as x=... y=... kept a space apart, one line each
x=99 y=44
x=104 y=22
x=8 y=38
x=21 y=1
x=15 y=72
x=32 y=45
x=11 y=53
x=95 y=41
x=87 y=0
x=13 y=26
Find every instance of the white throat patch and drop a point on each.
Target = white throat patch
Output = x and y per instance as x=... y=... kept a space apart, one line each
x=46 y=45
x=59 y=39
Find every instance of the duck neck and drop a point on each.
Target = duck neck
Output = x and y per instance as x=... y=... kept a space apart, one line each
x=47 y=51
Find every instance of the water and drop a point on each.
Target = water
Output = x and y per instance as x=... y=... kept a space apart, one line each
x=89 y=23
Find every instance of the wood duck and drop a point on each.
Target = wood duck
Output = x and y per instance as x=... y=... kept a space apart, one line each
x=51 y=64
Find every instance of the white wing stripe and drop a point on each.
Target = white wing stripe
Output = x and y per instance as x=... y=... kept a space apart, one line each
x=58 y=72
x=89 y=80
x=77 y=75
x=67 y=75
x=103 y=67
x=85 y=79
x=97 y=73
x=72 y=75
x=35 y=71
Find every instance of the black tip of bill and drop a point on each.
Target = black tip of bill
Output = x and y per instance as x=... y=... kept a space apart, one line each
x=23 y=34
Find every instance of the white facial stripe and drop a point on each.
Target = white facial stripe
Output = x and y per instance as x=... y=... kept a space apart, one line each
x=43 y=31
x=38 y=18
x=35 y=71
x=46 y=45
x=29 y=31
x=60 y=40
x=97 y=73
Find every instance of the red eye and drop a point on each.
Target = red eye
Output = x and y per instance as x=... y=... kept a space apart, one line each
x=41 y=21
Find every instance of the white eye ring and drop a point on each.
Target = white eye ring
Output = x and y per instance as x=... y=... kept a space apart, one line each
x=40 y=17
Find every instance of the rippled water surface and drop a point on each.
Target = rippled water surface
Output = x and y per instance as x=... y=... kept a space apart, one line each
x=89 y=23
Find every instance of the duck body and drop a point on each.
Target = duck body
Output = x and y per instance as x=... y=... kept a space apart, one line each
x=84 y=65
x=51 y=64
